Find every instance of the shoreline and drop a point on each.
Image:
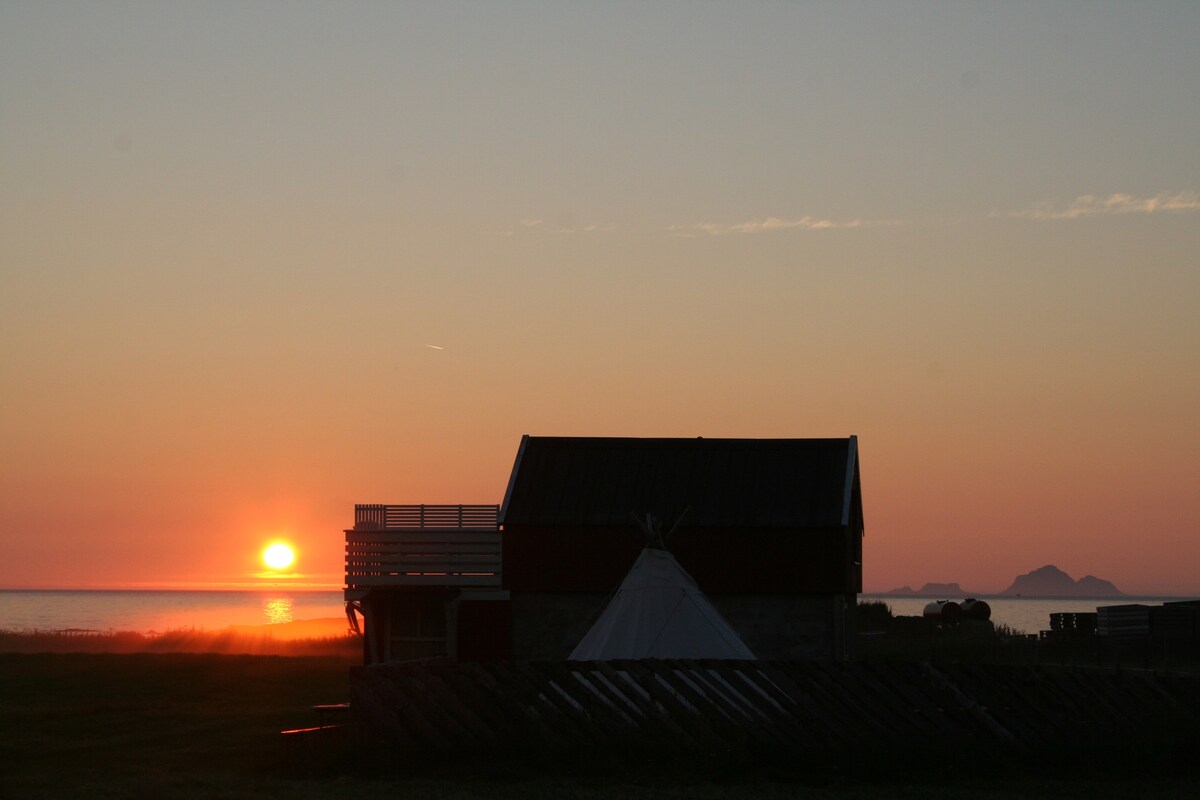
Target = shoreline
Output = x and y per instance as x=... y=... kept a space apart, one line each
x=323 y=637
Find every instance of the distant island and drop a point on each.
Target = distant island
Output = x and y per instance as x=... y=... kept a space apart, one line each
x=1047 y=581
x=930 y=589
x=1050 y=581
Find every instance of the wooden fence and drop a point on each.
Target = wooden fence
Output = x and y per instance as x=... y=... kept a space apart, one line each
x=865 y=715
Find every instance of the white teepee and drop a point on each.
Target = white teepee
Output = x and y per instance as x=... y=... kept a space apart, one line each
x=659 y=612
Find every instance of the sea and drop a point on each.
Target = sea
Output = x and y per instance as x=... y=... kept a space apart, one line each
x=160 y=611
x=146 y=611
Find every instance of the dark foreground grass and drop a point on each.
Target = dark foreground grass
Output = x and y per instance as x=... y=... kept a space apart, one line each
x=148 y=725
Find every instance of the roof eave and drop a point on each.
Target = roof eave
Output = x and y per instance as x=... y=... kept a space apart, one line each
x=512 y=479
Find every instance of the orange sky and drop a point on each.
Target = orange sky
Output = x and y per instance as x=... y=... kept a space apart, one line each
x=227 y=238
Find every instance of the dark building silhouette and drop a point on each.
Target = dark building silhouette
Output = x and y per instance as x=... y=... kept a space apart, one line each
x=770 y=529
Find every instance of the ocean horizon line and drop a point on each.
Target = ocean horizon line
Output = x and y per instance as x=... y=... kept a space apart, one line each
x=323 y=587
x=257 y=587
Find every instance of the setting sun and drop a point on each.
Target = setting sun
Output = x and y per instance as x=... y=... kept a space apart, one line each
x=278 y=556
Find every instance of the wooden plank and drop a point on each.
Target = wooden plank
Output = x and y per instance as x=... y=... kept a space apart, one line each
x=372 y=711
x=813 y=709
x=686 y=722
x=516 y=688
x=448 y=551
x=658 y=732
x=1023 y=703
x=906 y=683
x=392 y=563
x=541 y=698
x=719 y=697
x=753 y=685
x=418 y=515
x=718 y=723
x=368 y=558
x=399 y=700
x=845 y=704
x=521 y=732
x=585 y=730
x=448 y=535
x=877 y=702
x=747 y=718
x=356 y=581
x=593 y=680
x=974 y=705
x=422 y=688
x=451 y=703
x=594 y=717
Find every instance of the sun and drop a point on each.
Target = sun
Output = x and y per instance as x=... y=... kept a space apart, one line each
x=278 y=556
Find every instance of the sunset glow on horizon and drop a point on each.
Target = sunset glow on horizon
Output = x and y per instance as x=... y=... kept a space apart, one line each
x=260 y=264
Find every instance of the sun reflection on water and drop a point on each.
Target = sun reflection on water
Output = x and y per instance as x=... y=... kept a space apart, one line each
x=278 y=609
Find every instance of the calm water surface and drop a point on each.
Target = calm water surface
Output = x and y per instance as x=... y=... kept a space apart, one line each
x=160 y=611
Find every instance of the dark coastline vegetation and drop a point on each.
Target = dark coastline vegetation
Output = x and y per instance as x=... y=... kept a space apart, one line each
x=886 y=637
x=248 y=640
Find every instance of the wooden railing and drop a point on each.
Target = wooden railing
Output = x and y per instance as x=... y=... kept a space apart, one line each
x=431 y=546
x=385 y=517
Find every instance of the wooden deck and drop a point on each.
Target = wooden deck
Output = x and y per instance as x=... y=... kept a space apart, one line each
x=422 y=546
x=866 y=715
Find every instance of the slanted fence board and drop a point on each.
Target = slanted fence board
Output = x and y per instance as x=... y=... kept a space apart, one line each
x=590 y=724
x=481 y=687
x=926 y=717
x=477 y=731
x=544 y=731
x=402 y=702
x=834 y=690
x=683 y=720
x=650 y=719
x=820 y=711
x=501 y=725
x=872 y=714
x=570 y=727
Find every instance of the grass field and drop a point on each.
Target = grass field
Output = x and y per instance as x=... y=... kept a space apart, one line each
x=146 y=725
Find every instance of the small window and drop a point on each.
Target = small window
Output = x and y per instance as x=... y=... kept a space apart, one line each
x=418 y=628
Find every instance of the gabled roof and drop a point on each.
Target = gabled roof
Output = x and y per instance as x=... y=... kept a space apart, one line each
x=659 y=612
x=778 y=483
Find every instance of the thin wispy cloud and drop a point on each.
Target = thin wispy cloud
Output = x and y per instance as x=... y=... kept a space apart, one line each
x=435 y=347
x=1090 y=205
x=531 y=226
x=588 y=229
x=769 y=224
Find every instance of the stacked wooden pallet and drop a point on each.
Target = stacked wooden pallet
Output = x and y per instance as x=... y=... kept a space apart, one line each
x=1123 y=622
x=1177 y=620
x=1070 y=625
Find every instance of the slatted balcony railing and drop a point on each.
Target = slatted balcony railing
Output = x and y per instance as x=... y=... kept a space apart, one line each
x=374 y=516
x=423 y=545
